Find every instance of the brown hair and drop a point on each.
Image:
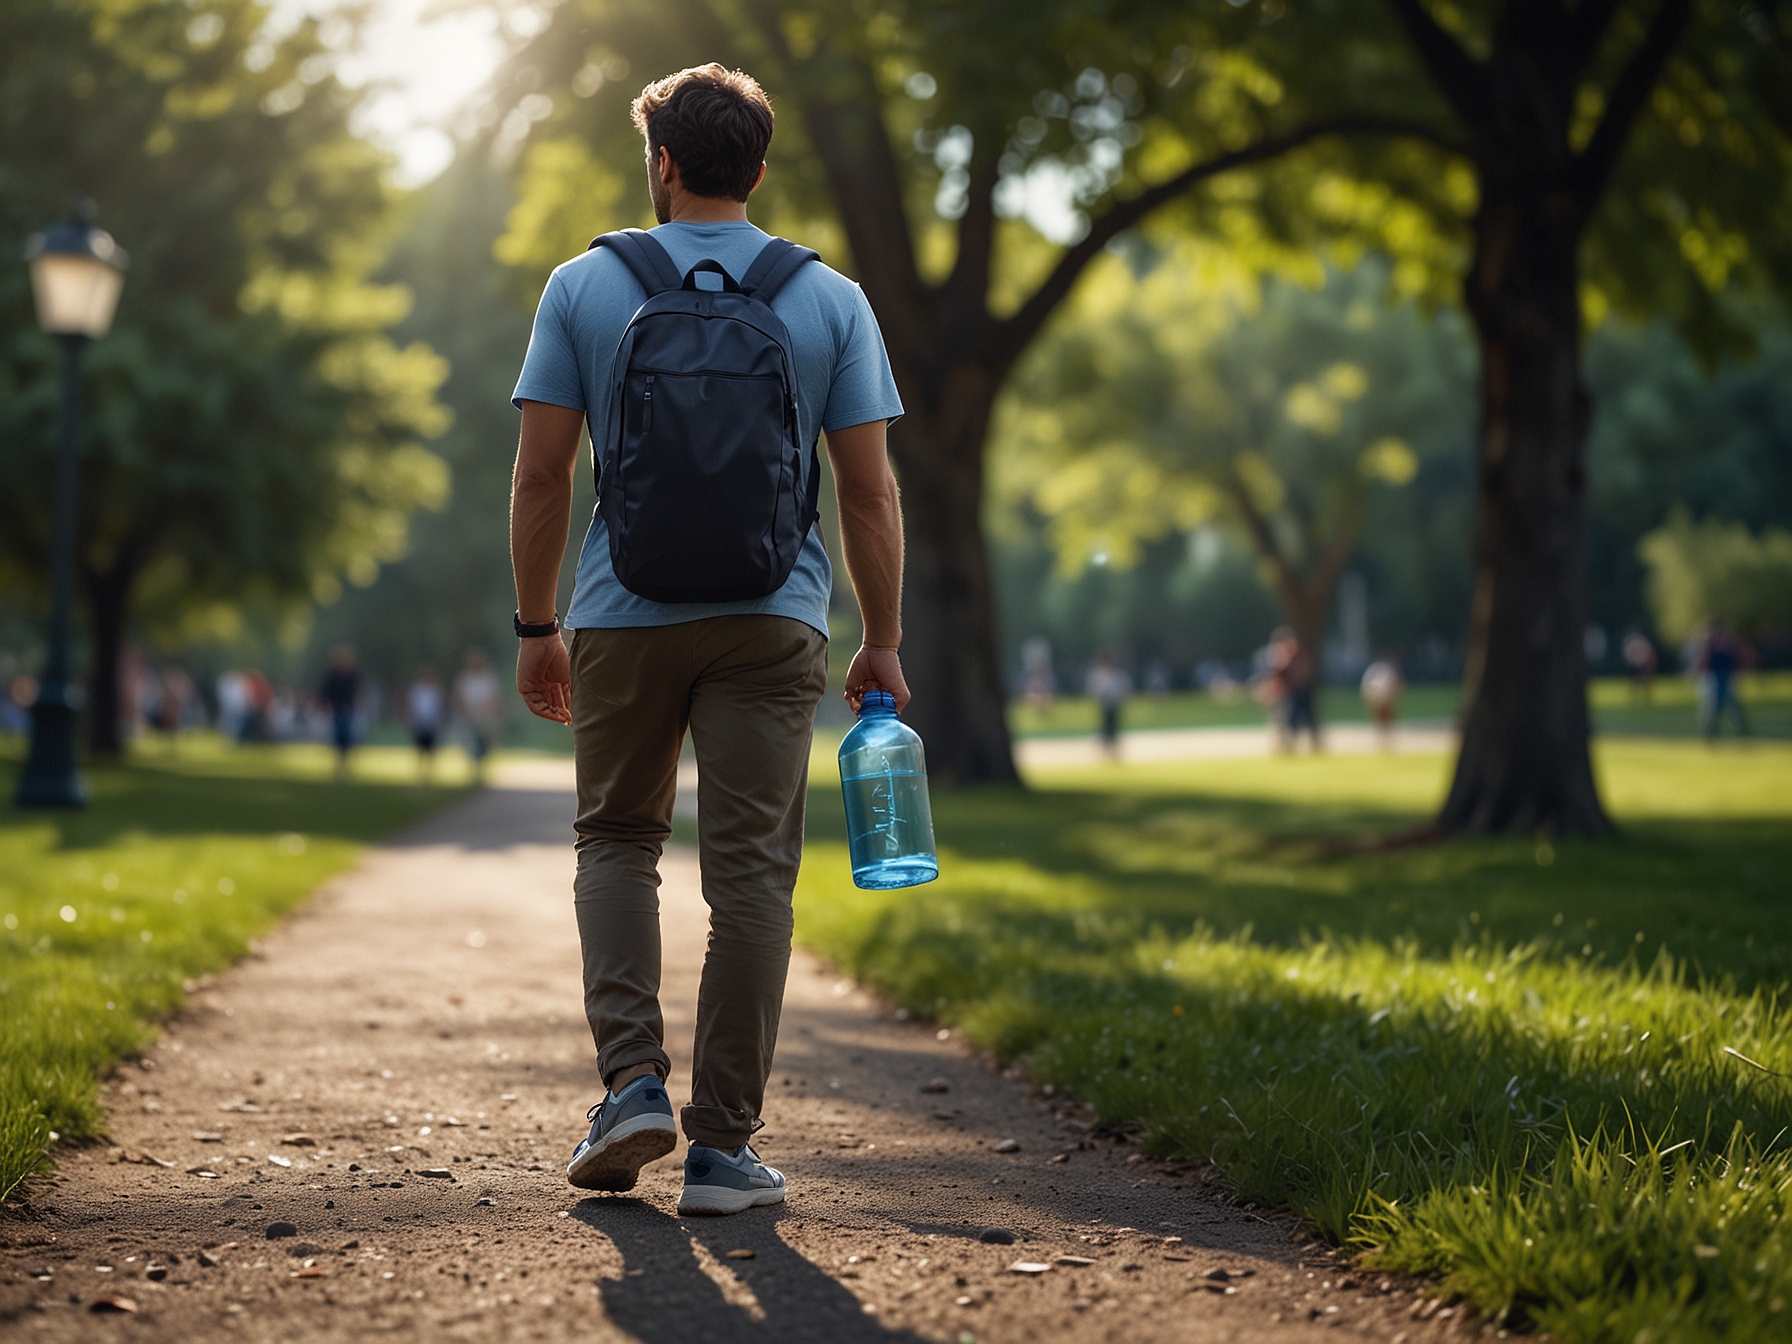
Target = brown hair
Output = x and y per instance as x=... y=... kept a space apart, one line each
x=715 y=123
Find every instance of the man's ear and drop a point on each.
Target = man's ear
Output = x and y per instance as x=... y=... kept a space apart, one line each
x=665 y=167
x=757 y=180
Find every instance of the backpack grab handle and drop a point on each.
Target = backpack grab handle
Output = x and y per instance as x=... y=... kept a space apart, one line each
x=728 y=284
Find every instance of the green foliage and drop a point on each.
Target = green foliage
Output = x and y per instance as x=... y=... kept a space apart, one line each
x=1706 y=570
x=1161 y=399
x=169 y=873
x=252 y=432
x=1506 y=1063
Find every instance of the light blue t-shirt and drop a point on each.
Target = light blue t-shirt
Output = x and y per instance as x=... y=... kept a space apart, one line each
x=842 y=373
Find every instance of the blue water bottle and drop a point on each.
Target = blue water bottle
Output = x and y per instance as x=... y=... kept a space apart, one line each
x=883 y=773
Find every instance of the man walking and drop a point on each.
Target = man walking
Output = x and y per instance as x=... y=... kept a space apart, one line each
x=706 y=358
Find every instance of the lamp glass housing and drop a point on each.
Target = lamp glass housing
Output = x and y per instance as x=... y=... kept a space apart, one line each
x=77 y=288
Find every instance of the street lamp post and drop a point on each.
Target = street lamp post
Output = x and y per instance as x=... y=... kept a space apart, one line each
x=76 y=274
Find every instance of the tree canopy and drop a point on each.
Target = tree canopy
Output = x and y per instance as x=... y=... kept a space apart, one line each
x=251 y=433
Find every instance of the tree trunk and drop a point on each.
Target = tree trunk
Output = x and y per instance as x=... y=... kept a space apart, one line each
x=108 y=598
x=1524 y=766
x=950 y=653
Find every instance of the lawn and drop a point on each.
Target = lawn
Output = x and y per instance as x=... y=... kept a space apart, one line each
x=105 y=914
x=1554 y=1074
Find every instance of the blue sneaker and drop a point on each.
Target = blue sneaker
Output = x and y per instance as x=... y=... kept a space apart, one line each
x=717 y=1181
x=628 y=1130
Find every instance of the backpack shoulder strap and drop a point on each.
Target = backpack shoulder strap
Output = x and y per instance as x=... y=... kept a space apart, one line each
x=777 y=261
x=643 y=254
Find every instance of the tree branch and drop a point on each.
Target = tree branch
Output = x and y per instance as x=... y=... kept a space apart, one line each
x=1587 y=27
x=967 y=288
x=1628 y=96
x=1459 y=77
x=1018 y=330
x=1262 y=534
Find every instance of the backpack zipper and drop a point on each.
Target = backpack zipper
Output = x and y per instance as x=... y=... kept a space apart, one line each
x=647 y=407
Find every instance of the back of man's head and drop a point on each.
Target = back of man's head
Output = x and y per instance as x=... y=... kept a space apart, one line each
x=714 y=122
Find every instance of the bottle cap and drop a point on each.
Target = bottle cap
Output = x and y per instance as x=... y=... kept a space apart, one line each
x=876 y=702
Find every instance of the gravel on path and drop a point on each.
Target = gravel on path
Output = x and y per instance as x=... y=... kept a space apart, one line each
x=362 y=1129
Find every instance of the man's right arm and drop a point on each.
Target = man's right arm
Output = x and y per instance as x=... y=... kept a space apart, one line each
x=871 y=537
x=540 y=513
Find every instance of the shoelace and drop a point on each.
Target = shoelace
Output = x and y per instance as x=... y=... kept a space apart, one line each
x=591 y=1115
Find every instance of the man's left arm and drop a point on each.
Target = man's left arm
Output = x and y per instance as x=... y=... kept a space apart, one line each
x=540 y=517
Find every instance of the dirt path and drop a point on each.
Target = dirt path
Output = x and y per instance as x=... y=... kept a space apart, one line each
x=362 y=1129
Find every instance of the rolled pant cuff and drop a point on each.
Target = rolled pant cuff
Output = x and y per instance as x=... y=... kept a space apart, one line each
x=717 y=1126
x=627 y=1056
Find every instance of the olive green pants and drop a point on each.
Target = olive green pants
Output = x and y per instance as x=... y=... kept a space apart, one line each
x=746 y=687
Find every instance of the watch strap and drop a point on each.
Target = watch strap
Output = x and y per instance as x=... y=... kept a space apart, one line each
x=535 y=629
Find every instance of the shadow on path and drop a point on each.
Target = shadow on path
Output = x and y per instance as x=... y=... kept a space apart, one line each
x=666 y=1295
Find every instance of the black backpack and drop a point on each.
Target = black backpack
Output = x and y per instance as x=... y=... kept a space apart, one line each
x=702 y=481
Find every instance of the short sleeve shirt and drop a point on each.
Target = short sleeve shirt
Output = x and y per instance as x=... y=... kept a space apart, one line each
x=842 y=372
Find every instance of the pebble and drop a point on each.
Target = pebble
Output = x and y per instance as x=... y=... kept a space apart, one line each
x=743 y=1253
x=997 y=1236
x=1073 y=1261
x=207 y=1259
x=486 y=1199
x=1028 y=1267
x=936 y=1085
x=437 y=1173
x=280 y=1161
x=298 y=1141
x=278 y=1230
x=1008 y=1146
x=208 y=1136
x=112 y=1303
x=155 y=1273
x=205 y=1173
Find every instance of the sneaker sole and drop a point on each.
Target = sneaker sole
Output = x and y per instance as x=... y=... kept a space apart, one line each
x=616 y=1163
x=715 y=1199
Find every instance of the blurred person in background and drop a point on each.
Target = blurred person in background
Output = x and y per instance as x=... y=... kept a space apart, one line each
x=1639 y=657
x=1290 y=685
x=1108 y=686
x=1717 y=657
x=425 y=710
x=258 y=696
x=479 y=703
x=1038 y=684
x=233 y=704
x=340 y=692
x=139 y=689
x=15 y=705
x=1381 y=687
x=174 y=695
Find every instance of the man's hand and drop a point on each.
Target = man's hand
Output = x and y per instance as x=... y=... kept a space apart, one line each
x=875 y=670
x=544 y=678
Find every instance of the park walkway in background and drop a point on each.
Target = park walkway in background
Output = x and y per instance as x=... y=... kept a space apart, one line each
x=1212 y=744
x=362 y=1129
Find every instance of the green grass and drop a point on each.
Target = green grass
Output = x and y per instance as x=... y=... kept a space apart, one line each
x=1501 y=1062
x=176 y=865
x=1669 y=712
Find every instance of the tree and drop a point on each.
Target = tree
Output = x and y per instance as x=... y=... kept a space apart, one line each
x=1627 y=156
x=1160 y=400
x=252 y=435
x=928 y=135
x=1501 y=135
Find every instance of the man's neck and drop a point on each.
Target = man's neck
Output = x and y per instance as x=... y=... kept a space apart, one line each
x=707 y=210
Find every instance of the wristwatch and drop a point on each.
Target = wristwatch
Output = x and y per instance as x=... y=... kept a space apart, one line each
x=535 y=629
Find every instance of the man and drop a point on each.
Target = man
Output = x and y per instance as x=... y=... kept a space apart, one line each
x=744 y=677
x=340 y=693
x=480 y=704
